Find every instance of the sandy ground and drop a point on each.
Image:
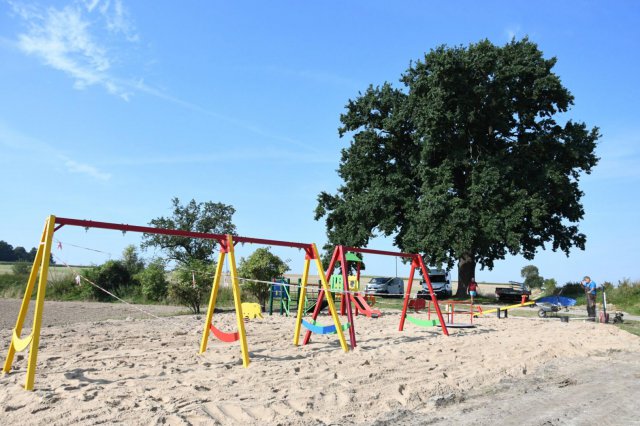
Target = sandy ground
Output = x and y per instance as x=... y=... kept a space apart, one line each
x=147 y=371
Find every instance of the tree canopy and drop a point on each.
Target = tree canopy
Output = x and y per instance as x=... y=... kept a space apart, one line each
x=467 y=162
x=8 y=253
x=208 y=217
x=532 y=277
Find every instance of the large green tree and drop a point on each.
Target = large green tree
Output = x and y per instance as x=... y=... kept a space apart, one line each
x=467 y=162
x=208 y=217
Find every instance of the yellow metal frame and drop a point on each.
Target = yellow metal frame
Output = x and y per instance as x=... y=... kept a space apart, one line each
x=236 y=301
x=19 y=343
x=518 y=305
x=327 y=293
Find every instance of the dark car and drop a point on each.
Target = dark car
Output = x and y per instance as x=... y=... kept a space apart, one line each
x=514 y=293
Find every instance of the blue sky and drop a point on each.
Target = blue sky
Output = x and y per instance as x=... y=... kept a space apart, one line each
x=108 y=109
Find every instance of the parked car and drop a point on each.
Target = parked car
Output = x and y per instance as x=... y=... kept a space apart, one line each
x=385 y=285
x=440 y=282
x=514 y=293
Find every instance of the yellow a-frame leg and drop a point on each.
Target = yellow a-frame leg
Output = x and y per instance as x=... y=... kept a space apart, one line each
x=227 y=249
x=18 y=344
x=327 y=292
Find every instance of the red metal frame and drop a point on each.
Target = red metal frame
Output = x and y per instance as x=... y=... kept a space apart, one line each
x=62 y=221
x=416 y=262
x=452 y=313
x=222 y=239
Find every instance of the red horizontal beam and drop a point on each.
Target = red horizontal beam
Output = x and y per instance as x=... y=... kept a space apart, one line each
x=380 y=252
x=135 y=228
x=174 y=232
x=250 y=240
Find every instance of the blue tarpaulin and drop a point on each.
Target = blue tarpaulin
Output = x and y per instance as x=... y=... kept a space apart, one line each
x=557 y=300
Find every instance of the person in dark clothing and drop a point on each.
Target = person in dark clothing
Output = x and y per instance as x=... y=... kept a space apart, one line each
x=590 y=290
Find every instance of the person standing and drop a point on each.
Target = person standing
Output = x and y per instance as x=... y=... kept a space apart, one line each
x=590 y=290
x=473 y=289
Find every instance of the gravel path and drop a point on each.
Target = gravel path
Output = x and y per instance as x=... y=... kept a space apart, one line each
x=63 y=313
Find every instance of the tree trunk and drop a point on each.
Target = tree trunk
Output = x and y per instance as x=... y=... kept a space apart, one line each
x=466 y=271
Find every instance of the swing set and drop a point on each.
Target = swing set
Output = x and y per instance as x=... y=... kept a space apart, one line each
x=226 y=243
x=340 y=256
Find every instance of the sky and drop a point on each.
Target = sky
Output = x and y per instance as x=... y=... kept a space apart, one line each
x=110 y=108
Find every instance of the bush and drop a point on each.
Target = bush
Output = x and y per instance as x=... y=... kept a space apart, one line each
x=12 y=285
x=112 y=276
x=264 y=266
x=64 y=287
x=191 y=284
x=550 y=286
x=626 y=296
x=21 y=268
x=573 y=289
x=153 y=281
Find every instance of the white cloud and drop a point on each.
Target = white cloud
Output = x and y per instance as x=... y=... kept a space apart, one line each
x=319 y=77
x=75 y=167
x=68 y=39
x=141 y=86
x=16 y=141
x=65 y=39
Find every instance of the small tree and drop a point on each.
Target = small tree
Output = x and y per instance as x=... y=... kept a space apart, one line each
x=191 y=283
x=531 y=276
x=264 y=266
x=153 y=280
x=131 y=260
x=209 y=217
x=550 y=286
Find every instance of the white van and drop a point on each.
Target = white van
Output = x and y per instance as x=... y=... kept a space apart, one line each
x=440 y=282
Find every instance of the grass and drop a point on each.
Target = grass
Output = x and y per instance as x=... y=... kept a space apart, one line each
x=632 y=327
x=625 y=296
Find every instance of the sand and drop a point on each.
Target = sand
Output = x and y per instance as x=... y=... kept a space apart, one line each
x=148 y=371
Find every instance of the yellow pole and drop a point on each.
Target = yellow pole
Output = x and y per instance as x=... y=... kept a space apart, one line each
x=301 y=296
x=238 y=302
x=332 y=307
x=212 y=302
x=37 y=316
x=503 y=309
x=26 y=298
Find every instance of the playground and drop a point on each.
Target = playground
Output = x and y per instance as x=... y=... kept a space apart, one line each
x=451 y=361
x=127 y=369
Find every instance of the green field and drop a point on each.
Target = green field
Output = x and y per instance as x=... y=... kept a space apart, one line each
x=7 y=268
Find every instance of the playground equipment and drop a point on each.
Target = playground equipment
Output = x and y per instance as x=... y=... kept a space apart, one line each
x=339 y=253
x=279 y=291
x=288 y=297
x=251 y=311
x=360 y=302
x=503 y=309
x=450 y=313
x=226 y=248
x=352 y=289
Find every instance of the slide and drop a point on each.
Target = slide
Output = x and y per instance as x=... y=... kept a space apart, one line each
x=363 y=307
